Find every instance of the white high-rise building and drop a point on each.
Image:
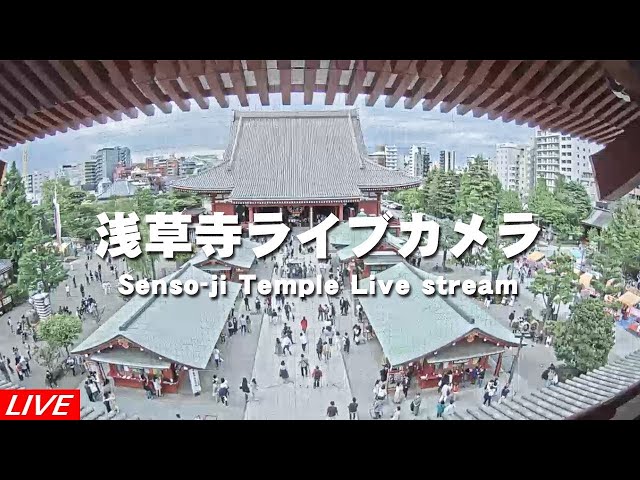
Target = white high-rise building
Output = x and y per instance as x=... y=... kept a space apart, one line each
x=72 y=172
x=447 y=160
x=33 y=184
x=514 y=167
x=558 y=154
x=390 y=155
x=416 y=162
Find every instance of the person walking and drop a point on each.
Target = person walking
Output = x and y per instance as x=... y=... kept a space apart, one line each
x=254 y=388
x=216 y=357
x=488 y=394
x=243 y=325
x=82 y=290
x=480 y=377
x=326 y=350
x=157 y=386
x=278 y=349
x=396 y=414
x=245 y=388
x=317 y=375
x=332 y=411
x=286 y=345
x=504 y=393
x=347 y=343
x=304 y=324
x=319 y=348
x=223 y=392
x=415 y=404
x=304 y=366
x=440 y=409
x=67 y=290
x=284 y=373
x=303 y=341
x=353 y=409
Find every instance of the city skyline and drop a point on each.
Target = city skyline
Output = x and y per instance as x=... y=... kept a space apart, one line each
x=202 y=131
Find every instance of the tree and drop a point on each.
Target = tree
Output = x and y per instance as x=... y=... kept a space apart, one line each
x=621 y=239
x=412 y=201
x=40 y=265
x=508 y=202
x=448 y=238
x=145 y=263
x=440 y=194
x=574 y=195
x=608 y=265
x=556 y=285
x=60 y=330
x=478 y=194
x=586 y=338
x=494 y=258
x=16 y=217
x=49 y=356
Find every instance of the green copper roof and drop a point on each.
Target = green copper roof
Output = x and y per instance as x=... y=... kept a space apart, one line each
x=412 y=326
x=346 y=253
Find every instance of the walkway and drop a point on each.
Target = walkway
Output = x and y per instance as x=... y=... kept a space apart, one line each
x=297 y=400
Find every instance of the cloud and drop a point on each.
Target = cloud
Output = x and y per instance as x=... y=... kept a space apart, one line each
x=200 y=131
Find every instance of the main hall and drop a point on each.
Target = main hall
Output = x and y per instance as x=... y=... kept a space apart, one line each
x=305 y=164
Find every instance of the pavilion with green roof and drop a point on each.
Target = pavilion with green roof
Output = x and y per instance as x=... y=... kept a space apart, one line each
x=345 y=239
x=433 y=334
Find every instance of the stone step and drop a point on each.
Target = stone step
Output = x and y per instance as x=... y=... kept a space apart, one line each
x=493 y=412
x=93 y=415
x=507 y=412
x=478 y=414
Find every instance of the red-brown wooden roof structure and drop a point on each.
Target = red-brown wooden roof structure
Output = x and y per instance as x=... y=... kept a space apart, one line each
x=575 y=97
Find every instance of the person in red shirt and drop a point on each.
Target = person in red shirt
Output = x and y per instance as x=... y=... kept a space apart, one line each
x=303 y=324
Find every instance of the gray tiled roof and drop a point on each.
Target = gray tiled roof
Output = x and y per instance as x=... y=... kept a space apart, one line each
x=282 y=156
x=572 y=397
x=346 y=253
x=414 y=325
x=183 y=329
x=119 y=188
x=243 y=255
x=5 y=265
x=599 y=218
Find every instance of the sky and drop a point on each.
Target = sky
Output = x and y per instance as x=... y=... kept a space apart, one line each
x=203 y=131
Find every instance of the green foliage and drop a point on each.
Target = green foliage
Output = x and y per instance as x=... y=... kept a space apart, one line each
x=49 y=357
x=557 y=286
x=145 y=263
x=564 y=209
x=586 y=338
x=440 y=194
x=16 y=217
x=17 y=293
x=478 y=194
x=448 y=238
x=508 y=202
x=40 y=265
x=620 y=241
x=412 y=201
x=60 y=330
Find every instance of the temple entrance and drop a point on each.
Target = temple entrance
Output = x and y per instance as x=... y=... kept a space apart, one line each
x=349 y=210
x=320 y=212
x=243 y=213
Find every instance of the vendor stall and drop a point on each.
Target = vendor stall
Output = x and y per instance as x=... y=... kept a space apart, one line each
x=159 y=336
x=433 y=334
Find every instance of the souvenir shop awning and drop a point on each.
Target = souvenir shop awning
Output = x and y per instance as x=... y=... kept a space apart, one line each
x=464 y=350
x=630 y=299
x=535 y=256
x=131 y=357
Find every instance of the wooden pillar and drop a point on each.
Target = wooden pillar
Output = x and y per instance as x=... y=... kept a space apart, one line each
x=310 y=216
x=340 y=212
x=498 y=366
x=378 y=201
x=250 y=214
x=213 y=202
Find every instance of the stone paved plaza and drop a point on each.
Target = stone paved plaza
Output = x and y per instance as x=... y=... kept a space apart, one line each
x=253 y=355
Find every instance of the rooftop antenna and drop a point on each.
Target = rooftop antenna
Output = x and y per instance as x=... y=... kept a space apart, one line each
x=25 y=161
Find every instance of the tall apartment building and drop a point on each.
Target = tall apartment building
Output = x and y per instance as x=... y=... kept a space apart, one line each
x=107 y=159
x=416 y=162
x=72 y=172
x=124 y=156
x=558 y=154
x=33 y=184
x=378 y=157
x=514 y=167
x=390 y=153
x=447 y=160
x=89 y=176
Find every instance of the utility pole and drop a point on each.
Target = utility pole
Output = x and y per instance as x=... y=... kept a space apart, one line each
x=516 y=360
x=25 y=161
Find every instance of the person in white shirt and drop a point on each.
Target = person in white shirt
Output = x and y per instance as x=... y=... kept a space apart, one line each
x=286 y=345
x=444 y=392
x=396 y=414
